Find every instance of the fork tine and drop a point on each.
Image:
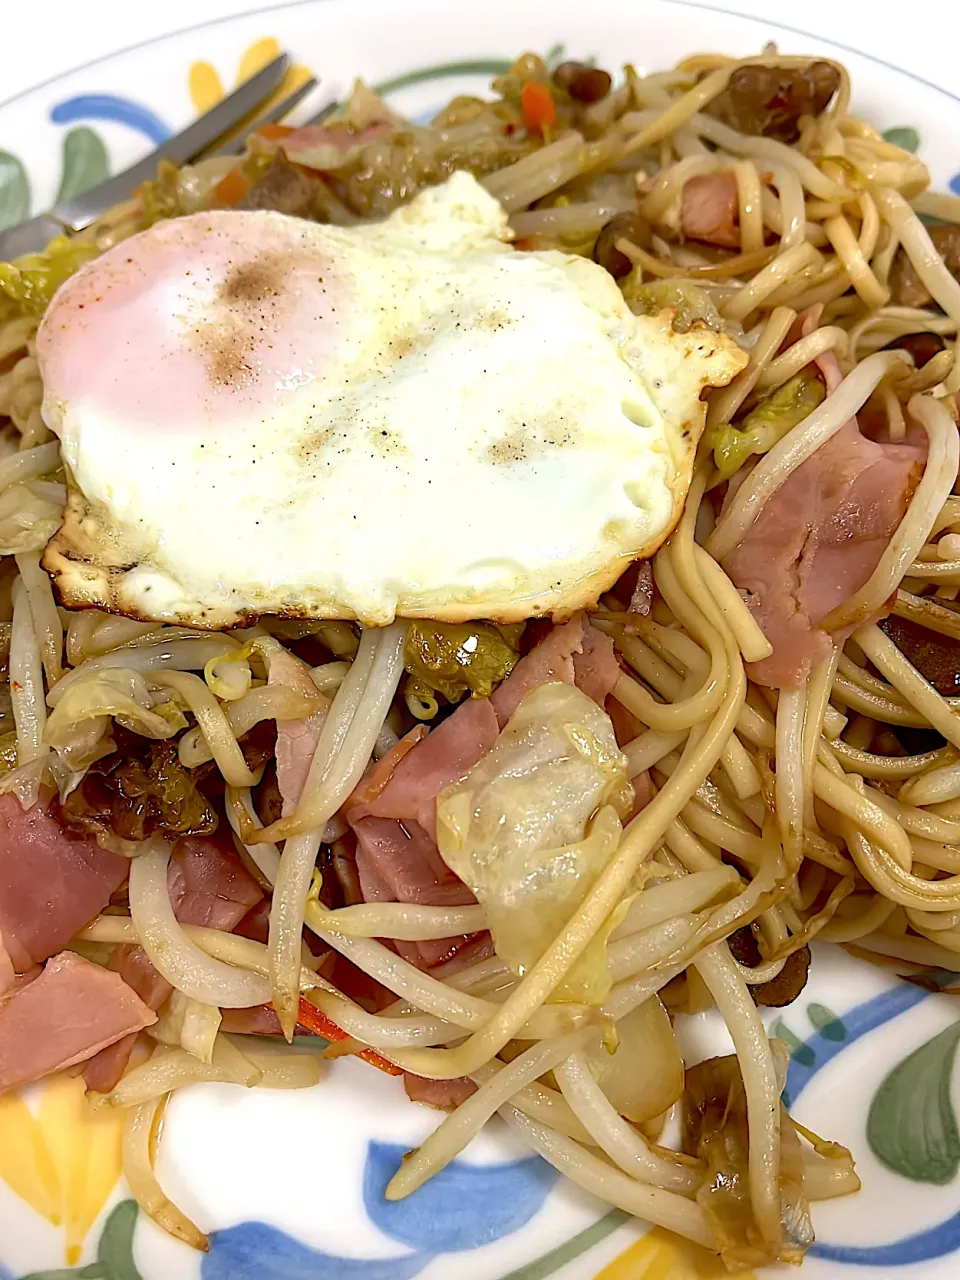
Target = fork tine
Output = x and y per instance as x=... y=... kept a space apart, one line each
x=183 y=147
x=236 y=145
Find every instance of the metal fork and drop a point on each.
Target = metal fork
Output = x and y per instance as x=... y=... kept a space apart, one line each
x=191 y=143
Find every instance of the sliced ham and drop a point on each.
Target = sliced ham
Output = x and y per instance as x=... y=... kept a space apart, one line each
x=129 y=961
x=296 y=739
x=209 y=885
x=574 y=653
x=8 y=975
x=441 y=758
x=68 y=1014
x=322 y=148
x=596 y=669
x=817 y=541
x=258 y=1021
x=709 y=209
x=443 y=1094
x=375 y=780
x=399 y=862
x=51 y=883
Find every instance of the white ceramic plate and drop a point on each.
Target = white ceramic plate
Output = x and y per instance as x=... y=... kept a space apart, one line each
x=290 y=1185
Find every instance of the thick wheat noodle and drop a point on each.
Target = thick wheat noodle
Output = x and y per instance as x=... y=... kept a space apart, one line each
x=849 y=928
x=669 y=270
x=889 y=878
x=649 y=748
x=845 y=245
x=920 y=249
x=462 y=1125
x=669 y=716
x=43 y=609
x=753 y=644
x=869 y=765
x=791 y=799
x=940 y=473
x=724 y=404
x=800 y=354
x=791 y=262
x=819 y=690
x=609 y=1131
x=795 y=448
x=663 y=1208
x=842 y=796
x=266 y=702
x=750 y=205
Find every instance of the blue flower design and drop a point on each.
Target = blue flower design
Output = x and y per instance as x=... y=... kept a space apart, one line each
x=463 y=1207
x=107 y=106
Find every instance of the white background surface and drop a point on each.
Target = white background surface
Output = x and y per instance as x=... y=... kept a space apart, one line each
x=45 y=37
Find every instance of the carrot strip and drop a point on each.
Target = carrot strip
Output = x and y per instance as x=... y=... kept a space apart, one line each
x=319 y=1024
x=232 y=187
x=539 y=109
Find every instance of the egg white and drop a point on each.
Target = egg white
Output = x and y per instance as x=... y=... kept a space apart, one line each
x=402 y=419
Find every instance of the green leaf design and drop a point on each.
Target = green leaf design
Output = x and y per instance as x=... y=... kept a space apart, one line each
x=115 y=1250
x=475 y=67
x=84 y=162
x=826 y=1022
x=911 y=1127
x=92 y=1272
x=903 y=136
x=795 y=1046
x=14 y=191
x=540 y=1268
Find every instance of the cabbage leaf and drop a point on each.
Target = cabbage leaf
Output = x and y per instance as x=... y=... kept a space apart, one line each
x=533 y=824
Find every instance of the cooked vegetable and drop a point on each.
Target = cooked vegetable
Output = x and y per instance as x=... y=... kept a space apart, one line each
x=640 y=1092
x=31 y=281
x=907 y=289
x=534 y=823
x=584 y=84
x=922 y=346
x=456 y=658
x=283 y=187
x=769 y=101
x=625 y=226
x=765 y=425
x=789 y=982
x=715 y=1129
x=690 y=304
x=140 y=790
x=538 y=107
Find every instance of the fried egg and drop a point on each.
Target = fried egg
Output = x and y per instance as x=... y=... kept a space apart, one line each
x=260 y=414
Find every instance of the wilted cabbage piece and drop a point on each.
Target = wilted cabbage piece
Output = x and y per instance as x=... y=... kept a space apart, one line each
x=691 y=303
x=534 y=823
x=139 y=791
x=29 y=283
x=715 y=1129
x=765 y=425
x=456 y=658
x=645 y=1037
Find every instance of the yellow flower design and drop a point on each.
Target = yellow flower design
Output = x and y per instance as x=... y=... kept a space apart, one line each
x=63 y=1158
x=662 y=1256
x=206 y=87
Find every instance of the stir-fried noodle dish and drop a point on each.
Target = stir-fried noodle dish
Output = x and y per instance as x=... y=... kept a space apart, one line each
x=482 y=592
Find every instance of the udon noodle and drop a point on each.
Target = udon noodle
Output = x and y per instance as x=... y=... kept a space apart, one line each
x=775 y=811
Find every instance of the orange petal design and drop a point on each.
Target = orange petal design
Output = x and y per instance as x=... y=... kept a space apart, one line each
x=25 y=1162
x=660 y=1255
x=206 y=87
x=85 y=1147
x=256 y=56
